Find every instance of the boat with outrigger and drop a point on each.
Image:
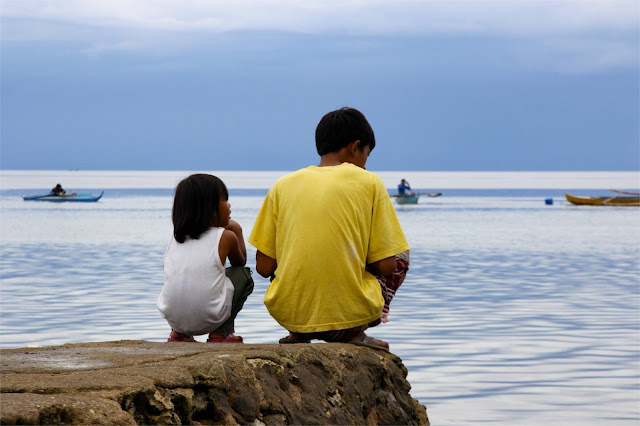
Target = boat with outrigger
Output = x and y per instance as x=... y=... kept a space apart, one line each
x=414 y=197
x=406 y=196
x=73 y=197
x=628 y=199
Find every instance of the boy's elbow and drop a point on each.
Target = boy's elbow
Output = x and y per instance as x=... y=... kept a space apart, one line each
x=265 y=269
x=265 y=266
x=385 y=267
x=262 y=271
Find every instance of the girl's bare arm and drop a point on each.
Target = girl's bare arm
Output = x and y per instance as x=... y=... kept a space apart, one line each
x=232 y=245
x=235 y=227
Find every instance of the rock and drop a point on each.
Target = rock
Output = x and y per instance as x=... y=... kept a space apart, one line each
x=137 y=382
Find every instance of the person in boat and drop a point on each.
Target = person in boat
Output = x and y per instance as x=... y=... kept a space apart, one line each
x=200 y=295
x=58 y=190
x=335 y=254
x=404 y=188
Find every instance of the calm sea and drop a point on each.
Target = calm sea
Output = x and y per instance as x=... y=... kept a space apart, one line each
x=513 y=312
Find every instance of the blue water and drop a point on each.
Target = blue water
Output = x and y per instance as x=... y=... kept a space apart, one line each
x=513 y=311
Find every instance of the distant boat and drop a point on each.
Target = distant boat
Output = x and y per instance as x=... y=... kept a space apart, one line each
x=78 y=198
x=614 y=200
x=413 y=198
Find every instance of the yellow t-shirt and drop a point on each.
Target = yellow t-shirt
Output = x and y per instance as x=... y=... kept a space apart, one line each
x=323 y=225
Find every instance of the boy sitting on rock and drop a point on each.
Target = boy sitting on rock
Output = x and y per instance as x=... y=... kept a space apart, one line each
x=329 y=238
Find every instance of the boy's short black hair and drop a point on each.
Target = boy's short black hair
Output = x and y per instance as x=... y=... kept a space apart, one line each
x=339 y=128
x=196 y=204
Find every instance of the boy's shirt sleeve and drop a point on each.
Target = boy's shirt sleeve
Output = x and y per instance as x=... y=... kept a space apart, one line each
x=387 y=238
x=263 y=234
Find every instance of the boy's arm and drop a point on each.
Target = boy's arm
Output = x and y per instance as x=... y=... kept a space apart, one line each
x=384 y=267
x=387 y=238
x=265 y=265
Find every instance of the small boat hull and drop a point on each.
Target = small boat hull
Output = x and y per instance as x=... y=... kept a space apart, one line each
x=603 y=201
x=408 y=199
x=75 y=198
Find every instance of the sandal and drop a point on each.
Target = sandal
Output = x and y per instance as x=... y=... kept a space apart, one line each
x=181 y=339
x=293 y=338
x=230 y=338
x=288 y=339
x=366 y=342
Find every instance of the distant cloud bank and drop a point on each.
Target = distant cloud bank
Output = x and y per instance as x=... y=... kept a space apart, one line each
x=359 y=17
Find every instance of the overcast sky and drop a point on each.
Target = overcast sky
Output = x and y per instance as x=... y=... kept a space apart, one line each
x=241 y=85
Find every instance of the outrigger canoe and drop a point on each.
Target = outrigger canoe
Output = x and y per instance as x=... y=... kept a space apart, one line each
x=78 y=198
x=604 y=201
x=413 y=198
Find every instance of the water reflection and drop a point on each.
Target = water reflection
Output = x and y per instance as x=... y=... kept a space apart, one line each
x=511 y=313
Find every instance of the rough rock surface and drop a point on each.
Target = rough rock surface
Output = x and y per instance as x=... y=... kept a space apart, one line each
x=137 y=382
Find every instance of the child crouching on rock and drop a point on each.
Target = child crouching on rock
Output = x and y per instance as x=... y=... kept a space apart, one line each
x=199 y=295
x=329 y=238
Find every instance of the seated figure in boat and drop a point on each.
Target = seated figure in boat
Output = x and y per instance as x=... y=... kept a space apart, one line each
x=404 y=188
x=58 y=190
x=335 y=255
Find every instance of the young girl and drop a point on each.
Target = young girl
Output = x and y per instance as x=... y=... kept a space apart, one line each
x=199 y=296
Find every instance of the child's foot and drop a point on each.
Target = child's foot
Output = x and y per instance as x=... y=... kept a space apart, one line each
x=371 y=342
x=179 y=337
x=219 y=338
x=293 y=338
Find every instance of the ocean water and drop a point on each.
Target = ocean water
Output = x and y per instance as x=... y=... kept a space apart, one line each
x=513 y=311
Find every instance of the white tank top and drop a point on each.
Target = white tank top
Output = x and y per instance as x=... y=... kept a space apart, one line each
x=197 y=295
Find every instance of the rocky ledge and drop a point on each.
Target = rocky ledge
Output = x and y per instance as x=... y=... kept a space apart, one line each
x=138 y=382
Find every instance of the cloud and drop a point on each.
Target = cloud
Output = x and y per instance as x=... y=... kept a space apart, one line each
x=564 y=35
x=404 y=17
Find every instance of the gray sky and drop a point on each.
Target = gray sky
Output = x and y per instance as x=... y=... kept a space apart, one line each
x=228 y=85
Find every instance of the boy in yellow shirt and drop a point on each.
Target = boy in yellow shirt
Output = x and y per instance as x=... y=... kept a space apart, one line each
x=329 y=238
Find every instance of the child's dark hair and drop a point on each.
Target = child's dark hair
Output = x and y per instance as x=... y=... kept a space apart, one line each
x=195 y=205
x=339 y=128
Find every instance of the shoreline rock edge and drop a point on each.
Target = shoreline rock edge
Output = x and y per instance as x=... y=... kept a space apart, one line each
x=139 y=382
